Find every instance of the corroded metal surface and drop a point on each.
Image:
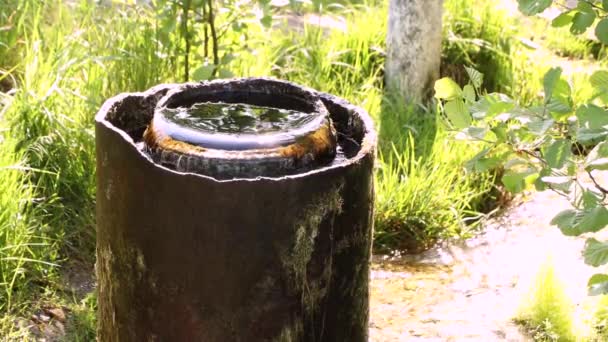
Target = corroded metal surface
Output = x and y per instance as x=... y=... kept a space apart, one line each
x=187 y=257
x=308 y=150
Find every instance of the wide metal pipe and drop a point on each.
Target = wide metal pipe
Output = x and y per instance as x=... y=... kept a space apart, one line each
x=187 y=257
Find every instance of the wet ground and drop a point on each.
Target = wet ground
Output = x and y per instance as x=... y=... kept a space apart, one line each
x=472 y=290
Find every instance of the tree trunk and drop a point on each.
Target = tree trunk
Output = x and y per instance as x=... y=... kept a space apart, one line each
x=413 y=47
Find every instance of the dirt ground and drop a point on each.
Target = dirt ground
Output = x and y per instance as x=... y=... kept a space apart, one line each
x=472 y=290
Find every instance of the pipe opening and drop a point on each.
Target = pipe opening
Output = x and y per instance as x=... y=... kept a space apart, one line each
x=241 y=133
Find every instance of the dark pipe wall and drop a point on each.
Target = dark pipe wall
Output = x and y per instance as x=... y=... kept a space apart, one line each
x=184 y=257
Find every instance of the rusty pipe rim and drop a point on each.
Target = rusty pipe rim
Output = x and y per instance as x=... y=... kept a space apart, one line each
x=350 y=121
x=282 y=153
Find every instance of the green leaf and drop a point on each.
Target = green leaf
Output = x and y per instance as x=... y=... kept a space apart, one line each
x=539 y=185
x=491 y=105
x=576 y=222
x=447 y=89
x=266 y=21
x=557 y=153
x=475 y=76
x=585 y=135
x=227 y=58
x=517 y=181
x=468 y=92
x=500 y=131
x=486 y=164
x=561 y=183
x=598 y=164
x=473 y=133
x=550 y=80
x=598 y=284
x=597 y=159
x=599 y=79
x=470 y=164
x=592 y=117
x=540 y=127
x=605 y=5
x=601 y=31
x=564 y=220
x=533 y=7
x=513 y=182
x=562 y=19
x=561 y=100
x=238 y=26
x=590 y=199
x=203 y=73
x=481 y=163
x=593 y=219
x=584 y=6
x=457 y=113
x=582 y=20
x=225 y=73
x=595 y=252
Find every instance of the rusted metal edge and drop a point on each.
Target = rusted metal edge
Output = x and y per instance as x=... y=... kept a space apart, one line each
x=367 y=144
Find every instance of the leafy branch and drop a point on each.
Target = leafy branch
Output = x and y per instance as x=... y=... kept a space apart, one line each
x=534 y=146
x=214 y=21
x=580 y=18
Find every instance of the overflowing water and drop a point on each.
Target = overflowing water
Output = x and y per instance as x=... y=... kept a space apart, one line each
x=236 y=126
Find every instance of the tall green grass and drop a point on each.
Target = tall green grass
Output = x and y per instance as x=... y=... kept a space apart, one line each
x=423 y=199
x=478 y=34
x=67 y=59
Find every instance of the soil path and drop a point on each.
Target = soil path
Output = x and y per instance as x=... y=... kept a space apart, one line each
x=471 y=291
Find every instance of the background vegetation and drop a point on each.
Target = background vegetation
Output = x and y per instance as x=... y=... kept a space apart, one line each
x=59 y=60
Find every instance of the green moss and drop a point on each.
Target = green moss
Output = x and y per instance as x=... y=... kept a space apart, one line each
x=296 y=259
x=119 y=271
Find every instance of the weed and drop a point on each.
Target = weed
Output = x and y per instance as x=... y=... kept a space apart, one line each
x=547 y=311
x=81 y=325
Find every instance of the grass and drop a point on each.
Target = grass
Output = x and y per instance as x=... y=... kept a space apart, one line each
x=67 y=57
x=547 y=312
x=413 y=212
x=47 y=160
x=480 y=35
x=601 y=318
x=81 y=324
x=560 y=41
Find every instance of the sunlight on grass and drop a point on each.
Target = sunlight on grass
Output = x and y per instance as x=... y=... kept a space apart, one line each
x=548 y=311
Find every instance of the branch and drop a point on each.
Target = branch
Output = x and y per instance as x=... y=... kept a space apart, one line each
x=205 y=32
x=216 y=58
x=531 y=154
x=594 y=5
x=597 y=185
x=186 y=37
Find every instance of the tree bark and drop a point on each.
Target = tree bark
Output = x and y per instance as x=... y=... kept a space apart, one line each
x=413 y=47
